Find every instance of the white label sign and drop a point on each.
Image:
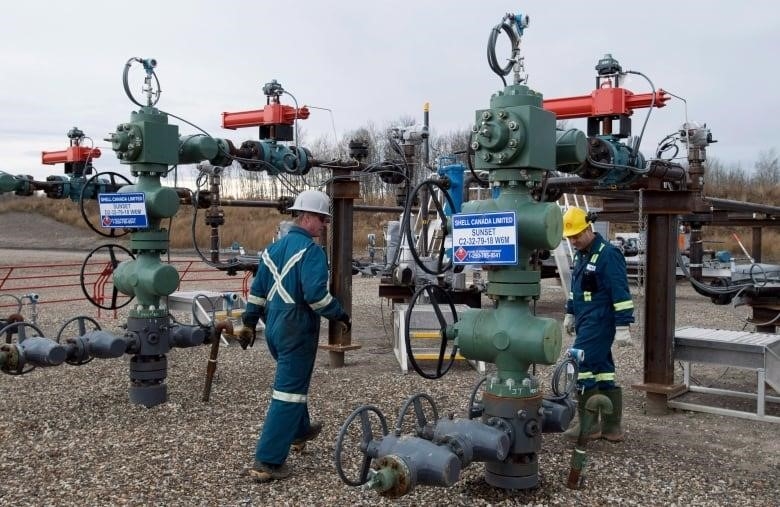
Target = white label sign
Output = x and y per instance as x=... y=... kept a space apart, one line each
x=484 y=238
x=123 y=210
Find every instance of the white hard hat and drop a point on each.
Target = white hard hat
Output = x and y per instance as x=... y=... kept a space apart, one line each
x=312 y=201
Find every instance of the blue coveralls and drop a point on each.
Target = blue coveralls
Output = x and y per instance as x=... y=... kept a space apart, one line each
x=290 y=292
x=600 y=301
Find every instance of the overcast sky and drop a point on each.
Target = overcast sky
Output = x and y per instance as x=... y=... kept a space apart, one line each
x=375 y=61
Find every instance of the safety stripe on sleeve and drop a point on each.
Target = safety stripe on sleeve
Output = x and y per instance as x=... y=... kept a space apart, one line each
x=623 y=305
x=605 y=377
x=256 y=300
x=322 y=303
x=587 y=296
x=289 y=397
x=585 y=375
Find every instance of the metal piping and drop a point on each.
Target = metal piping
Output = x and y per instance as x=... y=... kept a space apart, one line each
x=211 y=368
x=588 y=418
x=728 y=204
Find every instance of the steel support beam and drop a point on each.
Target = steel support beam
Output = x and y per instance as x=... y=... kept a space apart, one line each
x=343 y=191
x=756 y=244
x=659 y=308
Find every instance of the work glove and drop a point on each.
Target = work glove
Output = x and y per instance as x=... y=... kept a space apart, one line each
x=622 y=336
x=246 y=336
x=344 y=319
x=568 y=324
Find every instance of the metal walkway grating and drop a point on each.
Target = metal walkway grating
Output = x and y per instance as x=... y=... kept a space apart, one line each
x=740 y=349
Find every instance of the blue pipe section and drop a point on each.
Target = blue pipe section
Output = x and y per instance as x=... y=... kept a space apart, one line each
x=453 y=172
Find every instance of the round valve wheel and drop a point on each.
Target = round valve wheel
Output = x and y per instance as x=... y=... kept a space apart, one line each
x=104 y=275
x=367 y=435
x=761 y=272
x=19 y=329
x=291 y=162
x=435 y=294
x=196 y=313
x=441 y=265
x=112 y=233
x=476 y=408
x=421 y=420
x=81 y=322
x=16 y=300
x=470 y=161
x=15 y=316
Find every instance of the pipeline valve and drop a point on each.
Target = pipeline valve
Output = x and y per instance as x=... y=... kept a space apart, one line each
x=696 y=135
x=273 y=89
x=413 y=134
x=358 y=149
x=394 y=464
x=30 y=351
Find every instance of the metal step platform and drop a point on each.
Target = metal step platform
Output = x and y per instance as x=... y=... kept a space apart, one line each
x=739 y=349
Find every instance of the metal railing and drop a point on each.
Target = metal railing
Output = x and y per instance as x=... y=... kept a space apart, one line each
x=61 y=282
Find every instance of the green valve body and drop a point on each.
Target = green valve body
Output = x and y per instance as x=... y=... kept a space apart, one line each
x=147 y=140
x=516 y=134
x=512 y=338
x=194 y=148
x=21 y=185
x=8 y=183
x=516 y=141
x=161 y=202
x=146 y=278
x=149 y=145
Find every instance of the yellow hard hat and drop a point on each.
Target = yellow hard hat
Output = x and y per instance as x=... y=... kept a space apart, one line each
x=575 y=220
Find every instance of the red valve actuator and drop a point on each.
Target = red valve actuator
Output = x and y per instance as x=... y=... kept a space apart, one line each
x=606 y=101
x=272 y=114
x=72 y=154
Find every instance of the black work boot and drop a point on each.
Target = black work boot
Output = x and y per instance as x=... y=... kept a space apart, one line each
x=594 y=432
x=612 y=430
x=300 y=443
x=266 y=472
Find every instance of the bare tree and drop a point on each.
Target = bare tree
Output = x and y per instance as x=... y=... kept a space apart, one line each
x=766 y=176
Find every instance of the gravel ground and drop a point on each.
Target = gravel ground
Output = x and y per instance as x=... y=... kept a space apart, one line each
x=69 y=436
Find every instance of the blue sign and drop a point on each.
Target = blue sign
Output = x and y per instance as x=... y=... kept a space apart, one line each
x=123 y=210
x=484 y=238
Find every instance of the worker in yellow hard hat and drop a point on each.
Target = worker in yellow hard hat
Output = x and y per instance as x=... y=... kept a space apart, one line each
x=599 y=310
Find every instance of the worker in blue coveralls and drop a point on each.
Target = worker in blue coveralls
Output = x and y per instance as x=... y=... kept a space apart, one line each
x=290 y=294
x=599 y=310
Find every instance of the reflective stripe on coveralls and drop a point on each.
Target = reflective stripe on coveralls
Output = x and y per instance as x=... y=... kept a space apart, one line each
x=322 y=303
x=599 y=377
x=256 y=300
x=587 y=295
x=278 y=277
x=289 y=397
